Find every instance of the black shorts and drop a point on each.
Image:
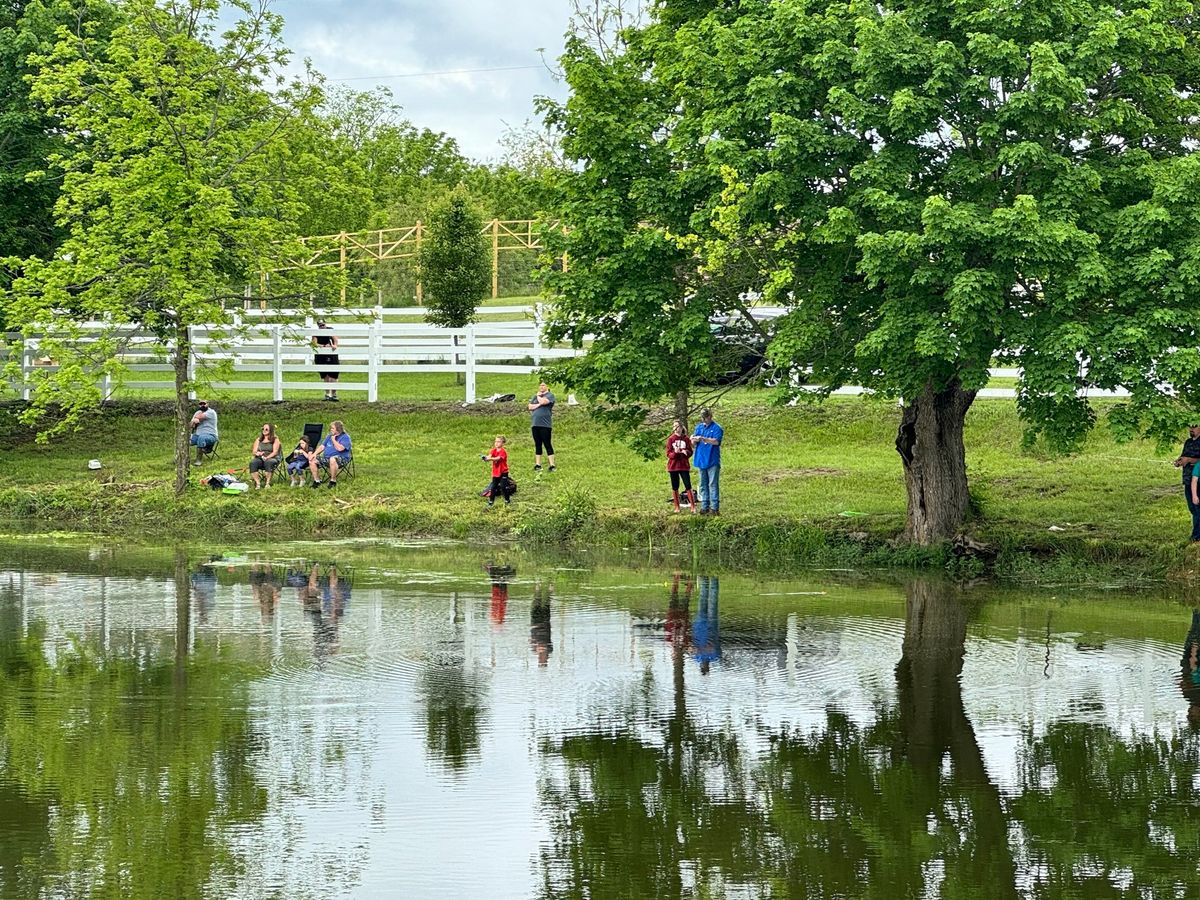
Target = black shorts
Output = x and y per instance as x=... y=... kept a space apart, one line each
x=326 y=359
x=541 y=438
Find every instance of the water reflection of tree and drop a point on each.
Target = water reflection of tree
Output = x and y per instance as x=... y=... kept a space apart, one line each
x=653 y=808
x=844 y=810
x=135 y=766
x=454 y=698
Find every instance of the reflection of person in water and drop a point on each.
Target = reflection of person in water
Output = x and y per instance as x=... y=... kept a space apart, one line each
x=676 y=626
x=706 y=632
x=324 y=599
x=539 y=625
x=204 y=591
x=500 y=575
x=1189 y=676
x=265 y=589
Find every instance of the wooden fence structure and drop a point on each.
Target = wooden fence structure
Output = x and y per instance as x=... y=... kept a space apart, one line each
x=365 y=247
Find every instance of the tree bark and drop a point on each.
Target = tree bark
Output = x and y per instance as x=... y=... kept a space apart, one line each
x=183 y=449
x=681 y=407
x=930 y=444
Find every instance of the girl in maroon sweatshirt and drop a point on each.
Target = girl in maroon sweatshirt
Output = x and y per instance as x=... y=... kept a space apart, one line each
x=679 y=464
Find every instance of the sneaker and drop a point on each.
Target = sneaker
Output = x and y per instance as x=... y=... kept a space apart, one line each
x=537 y=467
x=552 y=468
x=491 y=503
x=316 y=484
x=332 y=484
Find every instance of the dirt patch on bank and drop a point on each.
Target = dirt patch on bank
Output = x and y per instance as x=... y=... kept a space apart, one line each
x=771 y=476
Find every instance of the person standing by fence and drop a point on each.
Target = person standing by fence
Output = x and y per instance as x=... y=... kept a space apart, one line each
x=542 y=407
x=326 y=346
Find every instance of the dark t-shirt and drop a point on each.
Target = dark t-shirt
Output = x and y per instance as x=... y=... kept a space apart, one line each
x=1191 y=447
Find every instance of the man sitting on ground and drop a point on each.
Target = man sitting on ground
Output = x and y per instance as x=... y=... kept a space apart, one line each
x=204 y=431
x=333 y=452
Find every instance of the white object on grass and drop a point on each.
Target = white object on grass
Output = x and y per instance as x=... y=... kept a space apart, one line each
x=94 y=464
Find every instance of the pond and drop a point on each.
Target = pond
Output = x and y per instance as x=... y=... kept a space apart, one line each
x=356 y=721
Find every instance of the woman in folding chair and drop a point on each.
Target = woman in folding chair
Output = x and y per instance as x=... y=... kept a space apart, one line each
x=333 y=454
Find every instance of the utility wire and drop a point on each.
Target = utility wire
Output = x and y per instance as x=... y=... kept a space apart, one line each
x=447 y=72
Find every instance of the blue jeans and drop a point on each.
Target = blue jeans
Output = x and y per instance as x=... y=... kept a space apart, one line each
x=1192 y=508
x=710 y=487
x=203 y=441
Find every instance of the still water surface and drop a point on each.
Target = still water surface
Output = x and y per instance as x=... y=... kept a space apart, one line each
x=320 y=722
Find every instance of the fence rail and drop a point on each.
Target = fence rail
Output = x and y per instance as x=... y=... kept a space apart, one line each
x=371 y=344
x=368 y=345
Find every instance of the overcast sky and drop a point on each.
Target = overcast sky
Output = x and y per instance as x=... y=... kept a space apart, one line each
x=366 y=40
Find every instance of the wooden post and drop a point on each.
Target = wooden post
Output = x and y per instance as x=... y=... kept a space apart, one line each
x=342 y=264
x=495 y=258
x=277 y=370
x=420 y=293
x=470 y=363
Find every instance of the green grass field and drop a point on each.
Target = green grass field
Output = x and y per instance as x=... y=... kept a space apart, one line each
x=795 y=481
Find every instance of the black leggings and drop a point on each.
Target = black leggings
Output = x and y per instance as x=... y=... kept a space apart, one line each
x=499 y=482
x=541 y=438
x=685 y=476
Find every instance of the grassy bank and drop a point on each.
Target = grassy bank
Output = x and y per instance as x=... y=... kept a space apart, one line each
x=800 y=487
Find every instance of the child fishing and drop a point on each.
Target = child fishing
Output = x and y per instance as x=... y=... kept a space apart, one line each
x=498 y=457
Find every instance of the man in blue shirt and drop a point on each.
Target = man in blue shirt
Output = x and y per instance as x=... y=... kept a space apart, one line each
x=707 y=459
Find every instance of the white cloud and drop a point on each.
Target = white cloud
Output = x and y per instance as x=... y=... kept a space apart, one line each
x=361 y=41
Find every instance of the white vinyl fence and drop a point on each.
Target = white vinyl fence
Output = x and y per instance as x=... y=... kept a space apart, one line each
x=368 y=344
x=372 y=342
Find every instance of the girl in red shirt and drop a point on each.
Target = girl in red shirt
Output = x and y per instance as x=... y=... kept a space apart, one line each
x=679 y=464
x=499 y=460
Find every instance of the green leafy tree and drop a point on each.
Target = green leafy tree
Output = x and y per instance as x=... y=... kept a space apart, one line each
x=628 y=211
x=455 y=263
x=932 y=186
x=170 y=198
x=28 y=134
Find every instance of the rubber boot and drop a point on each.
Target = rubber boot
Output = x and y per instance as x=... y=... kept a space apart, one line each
x=675 y=497
x=691 y=495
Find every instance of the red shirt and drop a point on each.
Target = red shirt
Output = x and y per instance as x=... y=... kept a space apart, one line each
x=679 y=453
x=499 y=461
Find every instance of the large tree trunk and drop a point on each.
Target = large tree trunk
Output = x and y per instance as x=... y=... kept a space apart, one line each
x=930 y=443
x=681 y=408
x=183 y=449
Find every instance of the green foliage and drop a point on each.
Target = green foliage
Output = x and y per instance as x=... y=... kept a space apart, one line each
x=454 y=263
x=933 y=185
x=28 y=188
x=170 y=198
x=628 y=210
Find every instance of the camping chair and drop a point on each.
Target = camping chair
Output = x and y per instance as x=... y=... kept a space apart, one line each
x=210 y=453
x=312 y=433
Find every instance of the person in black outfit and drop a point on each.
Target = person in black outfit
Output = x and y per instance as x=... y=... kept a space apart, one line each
x=326 y=346
x=540 y=639
x=1186 y=461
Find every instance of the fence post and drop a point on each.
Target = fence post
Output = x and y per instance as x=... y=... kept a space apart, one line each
x=191 y=366
x=470 y=363
x=537 y=335
x=373 y=362
x=26 y=366
x=277 y=362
